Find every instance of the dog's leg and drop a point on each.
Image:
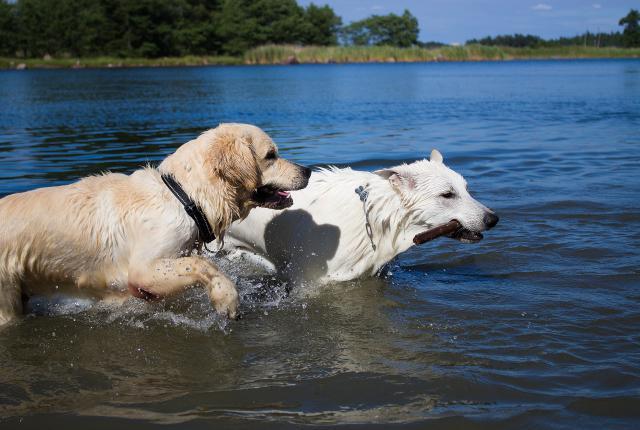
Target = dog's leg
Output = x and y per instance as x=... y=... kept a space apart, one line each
x=164 y=277
x=10 y=299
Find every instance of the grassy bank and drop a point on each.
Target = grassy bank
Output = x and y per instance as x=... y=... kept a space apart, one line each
x=282 y=54
x=107 y=62
x=277 y=54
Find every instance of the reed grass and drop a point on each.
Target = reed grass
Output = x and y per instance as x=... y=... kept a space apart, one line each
x=287 y=54
x=278 y=54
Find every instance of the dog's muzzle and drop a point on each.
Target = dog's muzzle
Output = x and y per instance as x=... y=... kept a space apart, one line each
x=454 y=230
x=272 y=198
x=466 y=236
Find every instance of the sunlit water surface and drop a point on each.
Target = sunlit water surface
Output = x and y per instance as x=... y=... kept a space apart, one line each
x=537 y=326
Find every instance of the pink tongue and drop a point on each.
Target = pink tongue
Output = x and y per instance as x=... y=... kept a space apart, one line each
x=283 y=193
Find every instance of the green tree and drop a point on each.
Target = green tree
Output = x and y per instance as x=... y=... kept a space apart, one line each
x=389 y=29
x=154 y=28
x=244 y=24
x=35 y=36
x=199 y=34
x=530 y=41
x=234 y=27
x=631 y=33
x=321 y=25
x=76 y=25
x=8 y=29
x=115 y=33
x=514 y=41
x=59 y=27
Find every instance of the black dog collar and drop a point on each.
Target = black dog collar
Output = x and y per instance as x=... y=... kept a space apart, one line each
x=205 y=233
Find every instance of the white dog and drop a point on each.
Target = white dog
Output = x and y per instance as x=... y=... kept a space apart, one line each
x=346 y=224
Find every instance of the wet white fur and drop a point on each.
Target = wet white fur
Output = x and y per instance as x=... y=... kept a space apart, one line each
x=322 y=237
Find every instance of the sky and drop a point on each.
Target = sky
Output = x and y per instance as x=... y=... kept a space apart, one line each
x=456 y=21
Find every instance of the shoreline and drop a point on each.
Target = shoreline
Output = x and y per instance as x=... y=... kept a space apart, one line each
x=290 y=55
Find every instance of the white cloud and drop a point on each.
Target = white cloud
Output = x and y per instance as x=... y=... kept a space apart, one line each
x=597 y=6
x=542 y=6
x=377 y=7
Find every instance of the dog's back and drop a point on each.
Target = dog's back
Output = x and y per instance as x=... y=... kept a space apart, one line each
x=322 y=237
x=43 y=230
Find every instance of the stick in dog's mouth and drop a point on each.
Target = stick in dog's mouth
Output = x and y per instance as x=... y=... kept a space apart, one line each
x=272 y=198
x=452 y=229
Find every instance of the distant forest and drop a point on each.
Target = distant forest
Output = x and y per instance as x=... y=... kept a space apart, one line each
x=161 y=28
x=630 y=37
x=600 y=40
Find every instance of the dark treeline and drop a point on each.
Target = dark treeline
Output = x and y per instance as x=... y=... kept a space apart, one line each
x=629 y=37
x=160 y=28
x=153 y=28
x=602 y=40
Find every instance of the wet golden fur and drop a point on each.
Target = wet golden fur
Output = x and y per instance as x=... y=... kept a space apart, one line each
x=113 y=235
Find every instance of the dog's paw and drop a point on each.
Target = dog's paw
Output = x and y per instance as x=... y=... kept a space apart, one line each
x=224 y=298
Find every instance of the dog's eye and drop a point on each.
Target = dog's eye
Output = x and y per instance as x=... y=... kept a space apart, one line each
x=447 y=195
x=271 y=155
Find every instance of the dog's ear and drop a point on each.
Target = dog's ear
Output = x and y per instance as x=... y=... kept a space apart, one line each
x=231 y=158
x=398 y=180
x=436 y=156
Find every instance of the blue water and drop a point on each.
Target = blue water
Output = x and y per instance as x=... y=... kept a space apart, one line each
x=537 y=326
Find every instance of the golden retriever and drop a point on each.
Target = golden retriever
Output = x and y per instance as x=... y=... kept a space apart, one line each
x=114 y=234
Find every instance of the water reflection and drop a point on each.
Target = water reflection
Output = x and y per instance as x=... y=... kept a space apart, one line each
x=536 y=326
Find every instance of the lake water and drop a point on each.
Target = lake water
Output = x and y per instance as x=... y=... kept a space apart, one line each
x=537 y=326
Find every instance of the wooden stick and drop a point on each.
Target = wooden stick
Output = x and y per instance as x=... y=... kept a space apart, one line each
x=435 y=232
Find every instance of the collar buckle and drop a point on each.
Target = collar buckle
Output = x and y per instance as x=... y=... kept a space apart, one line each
x=362 y=192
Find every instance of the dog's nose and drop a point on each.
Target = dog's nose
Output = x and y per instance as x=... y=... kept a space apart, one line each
x=306 y=172
x=490 y=220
